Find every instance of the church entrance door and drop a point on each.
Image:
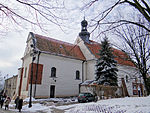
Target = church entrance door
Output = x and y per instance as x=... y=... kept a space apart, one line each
x=52 y=91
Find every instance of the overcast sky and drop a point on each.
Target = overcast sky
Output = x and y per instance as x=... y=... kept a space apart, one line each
x=13 y=42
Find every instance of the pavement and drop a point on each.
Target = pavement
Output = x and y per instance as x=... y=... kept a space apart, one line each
x=7 y=111
x=53 y=110
x=2 y=110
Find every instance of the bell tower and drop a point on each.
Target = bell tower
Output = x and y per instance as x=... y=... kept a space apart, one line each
x=84 y=34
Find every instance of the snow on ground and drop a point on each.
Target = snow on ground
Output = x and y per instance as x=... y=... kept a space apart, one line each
x=120 y=105
x=65 y=100
x=117 y=105
x=44 y=105
x=27 y=99
x=36 y=107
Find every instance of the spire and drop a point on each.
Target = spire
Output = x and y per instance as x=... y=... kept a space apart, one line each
x=84 y=34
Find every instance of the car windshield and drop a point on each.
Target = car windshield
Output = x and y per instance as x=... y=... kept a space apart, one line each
x=84 y=94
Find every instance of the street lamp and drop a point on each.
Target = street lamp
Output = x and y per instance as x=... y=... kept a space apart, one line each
x=34 y=52
x=36 y=72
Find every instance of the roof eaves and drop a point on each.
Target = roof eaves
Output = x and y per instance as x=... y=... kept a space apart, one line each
x=62 y=55
x=127 y=65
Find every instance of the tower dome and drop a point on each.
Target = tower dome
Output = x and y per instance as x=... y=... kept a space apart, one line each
x=84 y=23
x=84 y=34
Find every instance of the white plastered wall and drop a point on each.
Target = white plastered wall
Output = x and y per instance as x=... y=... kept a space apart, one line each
x=89 y=65
x=91 y=69
x=26 y=61
x=84 y=49
x=18 y=82
x=132 y=73
x=66 y=83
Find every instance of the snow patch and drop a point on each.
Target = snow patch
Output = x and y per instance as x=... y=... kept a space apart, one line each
x=36 y=107
x=27 y=99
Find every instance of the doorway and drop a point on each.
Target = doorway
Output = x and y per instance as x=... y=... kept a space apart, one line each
x=52 y=91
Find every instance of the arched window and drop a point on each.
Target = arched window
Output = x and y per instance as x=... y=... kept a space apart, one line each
x=77 y=74
x=127 y=78
x=53 y=72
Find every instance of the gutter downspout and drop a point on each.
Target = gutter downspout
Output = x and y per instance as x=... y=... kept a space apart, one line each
x=82 y=75
x=83 y=71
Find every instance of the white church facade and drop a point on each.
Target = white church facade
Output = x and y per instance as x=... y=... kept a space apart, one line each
x=63 y=66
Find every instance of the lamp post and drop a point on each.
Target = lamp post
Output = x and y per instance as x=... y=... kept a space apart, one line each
x=30 y=101
x=34 y=52
x=36 y=72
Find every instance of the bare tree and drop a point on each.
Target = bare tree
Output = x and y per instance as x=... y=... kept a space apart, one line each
x=35 y=12
x=133 y=31
x=42 y=12
x=141 y=6
x=137 y=45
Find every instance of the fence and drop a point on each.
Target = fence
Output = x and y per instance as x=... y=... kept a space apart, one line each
x=103 y=92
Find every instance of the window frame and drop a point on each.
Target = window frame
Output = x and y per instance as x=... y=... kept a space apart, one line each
x=53 y=72
x=77 y=75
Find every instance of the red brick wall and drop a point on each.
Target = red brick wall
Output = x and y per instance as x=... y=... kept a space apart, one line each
x=39 y=76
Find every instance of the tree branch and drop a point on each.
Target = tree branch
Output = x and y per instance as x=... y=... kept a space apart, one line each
x=140 y=8
x=128 y=22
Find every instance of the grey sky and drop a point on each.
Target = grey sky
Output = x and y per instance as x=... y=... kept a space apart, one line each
x=13 y=42
x=12 y=45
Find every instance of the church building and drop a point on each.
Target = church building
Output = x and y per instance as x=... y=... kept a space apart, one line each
x=59 y=67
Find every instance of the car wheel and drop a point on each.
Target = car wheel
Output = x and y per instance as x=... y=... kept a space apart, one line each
x=96 y=99
x=87 y=100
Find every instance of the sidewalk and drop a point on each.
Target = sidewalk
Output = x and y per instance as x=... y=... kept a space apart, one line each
x=7 y=111
x=10 y=111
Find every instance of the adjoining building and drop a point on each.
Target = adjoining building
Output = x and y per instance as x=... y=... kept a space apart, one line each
x=63 y=66
x=10 y=86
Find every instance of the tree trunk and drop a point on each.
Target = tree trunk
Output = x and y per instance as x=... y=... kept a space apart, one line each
x=147 y=87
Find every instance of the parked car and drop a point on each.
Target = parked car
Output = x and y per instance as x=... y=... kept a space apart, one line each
x=86 y=97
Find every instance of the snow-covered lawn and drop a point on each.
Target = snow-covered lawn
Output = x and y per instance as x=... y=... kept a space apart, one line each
x=118 y=105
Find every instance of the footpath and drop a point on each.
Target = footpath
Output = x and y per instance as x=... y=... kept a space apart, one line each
x=2 y=110
x=7 y=111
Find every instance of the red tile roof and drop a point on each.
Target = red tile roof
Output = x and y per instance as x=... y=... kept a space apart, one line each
x=120 y=56
x=58 y=47
x=73 y=51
